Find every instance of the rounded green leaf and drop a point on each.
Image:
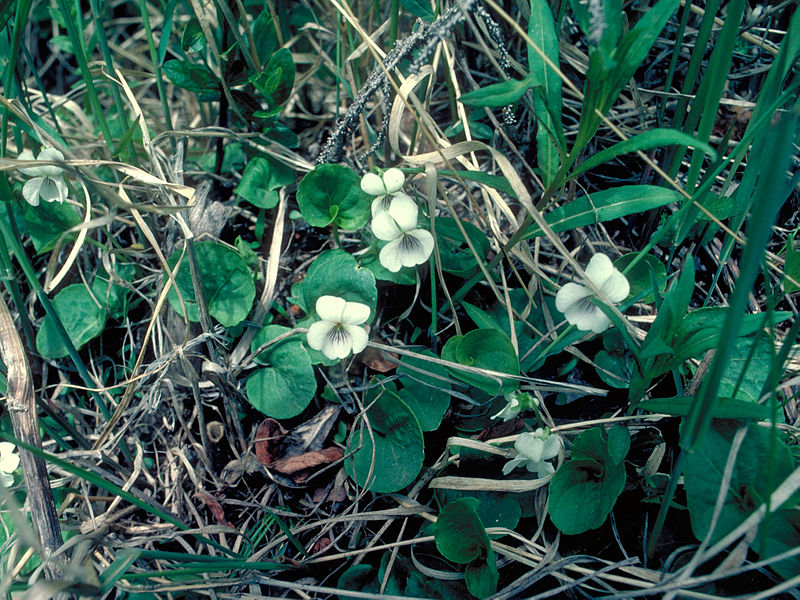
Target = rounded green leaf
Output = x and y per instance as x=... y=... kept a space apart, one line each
x=455 y=254
x=332 y=194
x=81 y=316
x=459 y=532
x=395 y=441
x=261 y=179
x=485 y=349
x=336 y=273
x=284 y=388
x=426 y=388
x=642 y=274
x=226 y=280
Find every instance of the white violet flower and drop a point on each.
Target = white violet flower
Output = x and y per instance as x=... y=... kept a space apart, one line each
x=46 y=182
x=575 y=300
x=516 y=404
x=384 y=186
x=408 y=246
x=338 y=334
x=533 y=451
x=9 y=461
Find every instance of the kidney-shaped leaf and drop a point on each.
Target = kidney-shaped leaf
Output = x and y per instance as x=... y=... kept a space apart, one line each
x=485 y=349
x=332 y=194
x=284 y=388
x=226 y=281
x=81 y=316
x=389 y=457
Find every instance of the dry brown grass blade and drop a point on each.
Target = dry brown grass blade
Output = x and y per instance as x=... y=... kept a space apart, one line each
x=22 y=409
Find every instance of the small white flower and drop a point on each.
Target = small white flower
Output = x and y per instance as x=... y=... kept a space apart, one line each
x=46 y=182
x=9 y=461
x=517 y=403
x=408 y=246
x=384 y=186
x=574 y=300
x=338 y=334
x=534 y=450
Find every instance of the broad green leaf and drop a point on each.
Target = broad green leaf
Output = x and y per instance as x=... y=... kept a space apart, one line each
x=726 y=408
x=332 y=194
x=275 y=81
x=547 y=96
x=459 y=533
x=196 y=78
x=455 y=254
x=791 y=268
x=585 y=488
x=112 y=295
x=47 y=222
x=226 y=281
x=419 y=8
x=641 y=275
x=498 y=94
x=287 y=384
x=424 y=390
x=260 y=180
x=336 y=273
x=481 y=576
x=485 y=349
x=265 y=36
x=748 y=368
x=370 y=260
x=192 y=38
x=605 y=206
x=762 y=464
x=83 y=317
x=389 y=457
x=614 y=369
x=654 y=138
x=612 y=64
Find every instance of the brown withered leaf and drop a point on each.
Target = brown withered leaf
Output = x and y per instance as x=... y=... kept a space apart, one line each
x=375 y=360
x=215 y=507
x=501 y=429
x=268 y=438
x=309 y=460
x=321 y=544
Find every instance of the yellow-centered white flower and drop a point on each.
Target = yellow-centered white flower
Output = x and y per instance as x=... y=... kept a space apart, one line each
x=338 y=332
x=46 y=182
x=408 y=246
x=575 y=300
x=533 y=452
x=9 y=461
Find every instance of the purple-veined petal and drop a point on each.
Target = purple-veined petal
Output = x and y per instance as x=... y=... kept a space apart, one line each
x=570 y=294
x=53 y=190
x=598 y=321
x=415 y=247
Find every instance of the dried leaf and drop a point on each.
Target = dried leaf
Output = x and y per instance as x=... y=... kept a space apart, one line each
x=311 y=435
x=268 y=438
x=214 y=506
x=376 y=360
x=309 y=460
